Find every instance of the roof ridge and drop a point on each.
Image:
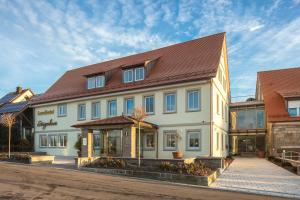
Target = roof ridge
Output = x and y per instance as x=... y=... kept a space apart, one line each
x=171 y=45
x=282 y=69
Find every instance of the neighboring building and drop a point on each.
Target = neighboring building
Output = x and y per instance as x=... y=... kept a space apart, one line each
x=280 y=91
x=247 y=128
x=183 y=88
x=17 y=103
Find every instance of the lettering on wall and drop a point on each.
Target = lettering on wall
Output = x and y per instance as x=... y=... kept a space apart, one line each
x=45 y=124
x=46 y=112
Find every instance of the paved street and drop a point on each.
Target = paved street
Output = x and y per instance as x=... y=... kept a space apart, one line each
x=36 y=182
x=259 y=176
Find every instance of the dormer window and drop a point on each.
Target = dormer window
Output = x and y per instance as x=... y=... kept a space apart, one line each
x=133 y=74
x=294 y=108
x=139 y=73
x=96 y=82
x=128 y=76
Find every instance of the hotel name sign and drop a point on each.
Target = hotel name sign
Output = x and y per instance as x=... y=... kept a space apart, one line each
x=46 y=112
x=45 y=124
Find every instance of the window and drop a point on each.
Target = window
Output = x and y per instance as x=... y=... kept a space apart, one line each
x=63 y=139
x=149 y=140
x=292 y=112
x=193 y=100
x=193 y=140
x=220 y=75
x=226 y=113
x=43 y=141
x=128 y=76
x=149 y=104
x=139 y=74
x=81 y=112
x=91 y=83
x=223 y=113
x=112 y=108
x=62 y=110
x=96 y=140
x=128 y=106
x=218 y=141
x=100 y=81
x=170 y=141
x=170 y=103
x=223 y=142
x=218 y=109
x=96 y=110
x=53 y=140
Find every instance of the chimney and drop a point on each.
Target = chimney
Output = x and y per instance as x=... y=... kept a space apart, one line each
x=18 y=90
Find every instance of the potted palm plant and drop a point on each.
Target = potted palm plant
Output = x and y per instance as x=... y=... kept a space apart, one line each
x=177 y=154
x=78 y=146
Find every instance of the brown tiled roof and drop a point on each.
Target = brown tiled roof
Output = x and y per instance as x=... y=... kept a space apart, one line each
x=276 y=85
x=188 y=61
x=118 y=120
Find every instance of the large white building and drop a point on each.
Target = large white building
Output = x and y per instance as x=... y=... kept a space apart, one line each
x=183 y=88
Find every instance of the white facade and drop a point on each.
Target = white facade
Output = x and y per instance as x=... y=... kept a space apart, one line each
x=210 y=121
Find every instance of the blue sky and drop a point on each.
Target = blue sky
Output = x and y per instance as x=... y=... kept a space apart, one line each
x=40 y=40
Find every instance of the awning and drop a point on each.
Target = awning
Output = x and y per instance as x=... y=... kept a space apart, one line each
x=114 y=122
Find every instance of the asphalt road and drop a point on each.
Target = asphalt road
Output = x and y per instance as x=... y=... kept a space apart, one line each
x=38 y=183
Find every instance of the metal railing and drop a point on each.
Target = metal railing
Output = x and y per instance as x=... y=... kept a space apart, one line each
x=290 y=155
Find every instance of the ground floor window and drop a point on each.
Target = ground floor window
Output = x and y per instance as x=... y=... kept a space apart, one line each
x=170 y=140
x=96 y=141
x=193 y=140
x=53 y=140
x=148 y=141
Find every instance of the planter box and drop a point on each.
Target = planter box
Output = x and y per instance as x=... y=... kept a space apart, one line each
x=41 y=159
x=179 y=178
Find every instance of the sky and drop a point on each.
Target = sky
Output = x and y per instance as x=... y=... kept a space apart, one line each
x=40 y=40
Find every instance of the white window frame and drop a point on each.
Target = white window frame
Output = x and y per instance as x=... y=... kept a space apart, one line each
x=78 y=111
x=165 y=142
x=145 y=104
x=166 y=102
x=62 y=107
x=64 y=138
x=40 y=138
x=136 y=70
x=188 y=134
x=91 y=82
x=125 y=106
x=218 y=104
x=218 y=141
x=145 y=141
x=49 y=140
x=125 y=75
x=93 y=111
x=109 y=110
x=95 y=135
x=100 y=81
x=188 y=100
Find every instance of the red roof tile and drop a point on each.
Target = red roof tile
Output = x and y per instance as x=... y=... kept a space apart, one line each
x=277 y=85
x=188 y=61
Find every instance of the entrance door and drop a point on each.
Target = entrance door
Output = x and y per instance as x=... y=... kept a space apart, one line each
x=111 y=143
x=246 y=145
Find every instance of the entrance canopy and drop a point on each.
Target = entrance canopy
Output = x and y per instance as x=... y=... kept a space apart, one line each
x=117 y=122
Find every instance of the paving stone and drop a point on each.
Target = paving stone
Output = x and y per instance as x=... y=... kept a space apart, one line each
x=259 y=176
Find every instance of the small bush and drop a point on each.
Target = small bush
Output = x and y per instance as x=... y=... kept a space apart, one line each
x=196 y=168
x=108 y=163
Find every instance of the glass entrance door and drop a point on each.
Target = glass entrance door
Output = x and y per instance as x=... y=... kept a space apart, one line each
x=111 y=143
x=246 y=144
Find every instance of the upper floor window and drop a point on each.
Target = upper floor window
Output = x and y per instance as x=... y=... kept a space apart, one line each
x=96 y=82
x=193 y=100
x=81 y=111
x=293 y=112
x=149 y=104
x=129 y=106
x=170 y=102
x=218 y=108
x=112 y=108
x=128 y=76
x=139 y=73
x=62 y=110
x=96 y=110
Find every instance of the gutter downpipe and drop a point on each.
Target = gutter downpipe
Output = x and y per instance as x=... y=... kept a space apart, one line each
x=211 y=119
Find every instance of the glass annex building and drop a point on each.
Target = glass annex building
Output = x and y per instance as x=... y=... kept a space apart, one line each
x=247 y=128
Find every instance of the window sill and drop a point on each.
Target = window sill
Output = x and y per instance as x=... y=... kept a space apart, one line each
x=149 y=149
x=170 y=149
x=173 y=112
x=61 y=115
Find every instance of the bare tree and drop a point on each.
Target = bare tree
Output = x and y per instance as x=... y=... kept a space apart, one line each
x=140 y=115
x=8 y=120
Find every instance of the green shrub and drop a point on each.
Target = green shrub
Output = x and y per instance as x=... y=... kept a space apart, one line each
x=108 y=162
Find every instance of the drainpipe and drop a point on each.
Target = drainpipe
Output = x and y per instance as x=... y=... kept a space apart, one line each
x=156 y=131
x=211 y=119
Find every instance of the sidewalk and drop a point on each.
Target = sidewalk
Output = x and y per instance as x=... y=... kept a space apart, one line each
x=255 y=175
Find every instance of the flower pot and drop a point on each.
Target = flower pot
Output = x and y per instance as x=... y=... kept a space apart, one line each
x=177 y=155
x=261 y=154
